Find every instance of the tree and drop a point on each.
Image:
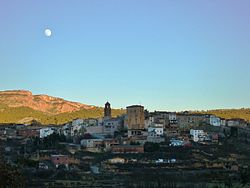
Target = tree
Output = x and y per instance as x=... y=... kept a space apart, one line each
x=151 y=147
x=10 y=177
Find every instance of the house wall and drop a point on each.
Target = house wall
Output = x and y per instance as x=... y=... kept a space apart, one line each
x=135 y=117
x=59 y=160
x=44 y=132
x=215 y=121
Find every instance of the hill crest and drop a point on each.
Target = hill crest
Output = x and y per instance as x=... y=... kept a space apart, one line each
x=44 y=103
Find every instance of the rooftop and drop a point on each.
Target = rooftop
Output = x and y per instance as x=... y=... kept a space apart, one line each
x=134 y=106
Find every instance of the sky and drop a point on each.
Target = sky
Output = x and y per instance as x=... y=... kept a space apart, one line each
x=163 y=54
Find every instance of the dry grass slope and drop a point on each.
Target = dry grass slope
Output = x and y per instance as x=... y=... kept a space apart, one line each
x=26 y=115
x=243 y=113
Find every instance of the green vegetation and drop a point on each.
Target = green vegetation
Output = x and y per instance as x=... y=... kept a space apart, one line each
x=50 y=142
x=26 y=114
x=22 y=161
x=151 y=147
x=134 y=143
x=10 y=176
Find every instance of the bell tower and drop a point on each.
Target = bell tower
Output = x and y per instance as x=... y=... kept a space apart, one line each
x=107 y=110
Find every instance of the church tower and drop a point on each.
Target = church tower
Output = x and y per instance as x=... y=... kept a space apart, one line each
x=107 y=110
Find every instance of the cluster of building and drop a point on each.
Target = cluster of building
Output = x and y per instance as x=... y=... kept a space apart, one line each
x=129 y=132
x=138 y=125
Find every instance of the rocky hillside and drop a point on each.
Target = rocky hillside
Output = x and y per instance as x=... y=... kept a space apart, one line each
x=21 y=106
x=43 y=103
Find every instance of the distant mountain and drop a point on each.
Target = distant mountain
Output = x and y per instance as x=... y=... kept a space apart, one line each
x=43 y=103
x=20 y=106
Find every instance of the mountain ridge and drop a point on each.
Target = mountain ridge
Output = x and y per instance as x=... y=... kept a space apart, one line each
x=41 y=102
x=21 y=106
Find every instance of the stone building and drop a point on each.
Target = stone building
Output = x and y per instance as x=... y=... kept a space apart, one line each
x=187 y=120
x=135 y=117
x=135 y=120
x=107 y=111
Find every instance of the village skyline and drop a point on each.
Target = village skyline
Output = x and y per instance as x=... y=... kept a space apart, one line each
x=115 y=105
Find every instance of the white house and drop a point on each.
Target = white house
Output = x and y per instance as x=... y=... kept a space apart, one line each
x=155 y=130
x=77 y=122
x=94 y=129
x=233 y=123
x=65 y=130
x=44 y=132
x=223 y=122
x=91 y=122
x=111 y=125
x=75 y=129
x=214 y=120
x=197 y=135
x=100 y=122
x=175 y=142
x=172 y=117
x=155 y=133
x=148 y=122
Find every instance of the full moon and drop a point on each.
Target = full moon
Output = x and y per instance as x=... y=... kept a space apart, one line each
x=47 y=32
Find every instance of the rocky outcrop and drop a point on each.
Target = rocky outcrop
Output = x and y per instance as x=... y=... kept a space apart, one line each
x=44 y=103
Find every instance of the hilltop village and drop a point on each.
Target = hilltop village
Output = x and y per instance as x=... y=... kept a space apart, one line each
x=137 y=149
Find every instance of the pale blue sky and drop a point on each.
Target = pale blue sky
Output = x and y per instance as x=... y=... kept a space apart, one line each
x=163 y=54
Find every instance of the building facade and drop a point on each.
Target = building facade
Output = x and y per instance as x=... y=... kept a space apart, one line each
x=60 y=160
x=155 y=130
x=215 y=121
x=107 y=111
x=197 y=135
x=110 y=126
x=135 y=117
x=44 y=132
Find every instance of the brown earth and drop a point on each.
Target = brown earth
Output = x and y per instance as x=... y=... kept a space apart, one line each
x=44 y=103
